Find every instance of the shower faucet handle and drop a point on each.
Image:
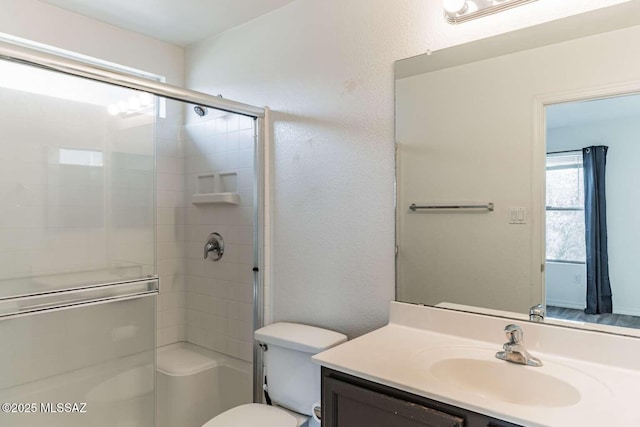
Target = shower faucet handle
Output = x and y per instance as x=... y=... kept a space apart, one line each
x=214 y=244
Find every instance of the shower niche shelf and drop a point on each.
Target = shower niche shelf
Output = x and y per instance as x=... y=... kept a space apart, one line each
x=215 y=199
x=216 y=189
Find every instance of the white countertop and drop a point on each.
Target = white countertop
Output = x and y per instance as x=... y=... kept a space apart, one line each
x=398 y=355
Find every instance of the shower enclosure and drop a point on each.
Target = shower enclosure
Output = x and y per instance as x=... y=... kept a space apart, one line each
x=78 y=265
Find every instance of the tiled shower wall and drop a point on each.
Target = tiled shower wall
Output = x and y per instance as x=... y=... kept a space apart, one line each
x=171 y=320
x=219 y=294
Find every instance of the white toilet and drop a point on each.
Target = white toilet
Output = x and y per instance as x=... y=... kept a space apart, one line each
x=293 y=379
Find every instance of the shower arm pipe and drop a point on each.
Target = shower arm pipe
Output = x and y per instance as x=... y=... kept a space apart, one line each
x=65 y=65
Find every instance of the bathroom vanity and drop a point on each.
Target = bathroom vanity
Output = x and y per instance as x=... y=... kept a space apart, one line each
x=436 y=367
x=351 y=401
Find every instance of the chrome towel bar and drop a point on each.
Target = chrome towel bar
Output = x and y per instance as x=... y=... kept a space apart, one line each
x=489 y=206
x=68 y=299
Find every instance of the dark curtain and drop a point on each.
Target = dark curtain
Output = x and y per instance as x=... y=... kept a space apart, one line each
x=595 y=214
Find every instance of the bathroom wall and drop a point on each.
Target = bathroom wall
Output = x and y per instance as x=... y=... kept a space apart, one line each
x=37 y=21
x=219 y=308
x=566 y=285
x=623 y=203
x=326 y=69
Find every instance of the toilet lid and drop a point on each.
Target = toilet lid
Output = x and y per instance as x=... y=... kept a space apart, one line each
x=252 y=415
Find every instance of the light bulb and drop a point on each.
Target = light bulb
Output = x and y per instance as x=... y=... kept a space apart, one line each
x=113 y=110
x=134 y=103
x=453 y=7
x=123 y=106
x=146 y=99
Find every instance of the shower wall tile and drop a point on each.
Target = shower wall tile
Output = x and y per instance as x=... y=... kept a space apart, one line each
x=219 y=309
x=170 y=246
x=206 y=303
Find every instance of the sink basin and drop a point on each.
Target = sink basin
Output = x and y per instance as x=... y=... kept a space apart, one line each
x=475 y=370
x=510 y=383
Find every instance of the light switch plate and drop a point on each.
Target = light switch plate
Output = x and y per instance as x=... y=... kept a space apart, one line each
x=517 y=215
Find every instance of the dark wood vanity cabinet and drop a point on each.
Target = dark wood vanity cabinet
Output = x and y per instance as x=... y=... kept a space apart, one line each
x=349 y=401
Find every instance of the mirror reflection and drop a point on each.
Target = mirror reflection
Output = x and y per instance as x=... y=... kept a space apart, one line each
x=591 y=234
x=504 y=204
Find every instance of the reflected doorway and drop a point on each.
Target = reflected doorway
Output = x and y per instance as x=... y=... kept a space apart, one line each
x=593 y=153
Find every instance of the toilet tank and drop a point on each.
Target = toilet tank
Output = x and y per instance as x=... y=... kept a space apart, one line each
x=293 y=378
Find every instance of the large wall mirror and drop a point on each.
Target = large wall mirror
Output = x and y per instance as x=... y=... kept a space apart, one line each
x=518 y=163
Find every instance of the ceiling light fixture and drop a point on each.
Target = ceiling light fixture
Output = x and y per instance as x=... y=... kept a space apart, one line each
x=459 y=11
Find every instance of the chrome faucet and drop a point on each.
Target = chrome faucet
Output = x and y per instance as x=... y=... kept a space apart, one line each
x=514 y=350
x=536 y=313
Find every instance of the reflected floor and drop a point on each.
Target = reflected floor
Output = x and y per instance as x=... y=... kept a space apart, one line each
x=611 y=319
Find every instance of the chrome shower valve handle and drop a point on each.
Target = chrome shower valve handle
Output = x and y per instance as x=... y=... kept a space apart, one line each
x=214 y=244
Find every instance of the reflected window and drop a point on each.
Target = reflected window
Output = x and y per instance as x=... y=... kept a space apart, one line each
x=69 y=156
x=565 y=232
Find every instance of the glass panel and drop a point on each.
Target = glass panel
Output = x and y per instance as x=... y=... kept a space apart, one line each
x=76 y=182
x=565 y=236
x=565 y=190
x=91 y=365
x=565 y=182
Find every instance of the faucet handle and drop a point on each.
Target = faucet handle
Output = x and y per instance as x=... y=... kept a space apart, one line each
x=514 y=351
x=514 y=334
x=214 y=244
x=537 y=313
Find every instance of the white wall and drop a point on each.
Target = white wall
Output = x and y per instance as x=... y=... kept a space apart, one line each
x=566 y=285
x=623 y=203
x=326 y=69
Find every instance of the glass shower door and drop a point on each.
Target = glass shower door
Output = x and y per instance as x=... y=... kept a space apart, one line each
x=81 y=359
x=77 y=251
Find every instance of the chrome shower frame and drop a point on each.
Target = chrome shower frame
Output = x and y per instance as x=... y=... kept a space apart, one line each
x=77 y=68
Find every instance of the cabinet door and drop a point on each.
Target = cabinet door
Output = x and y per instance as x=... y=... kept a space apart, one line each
x=347 y=405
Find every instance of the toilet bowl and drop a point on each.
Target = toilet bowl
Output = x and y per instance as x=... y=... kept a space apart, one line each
x=253 y=413
x=293 y=378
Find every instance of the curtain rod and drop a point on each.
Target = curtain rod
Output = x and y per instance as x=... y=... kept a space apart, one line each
x=566 y=151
